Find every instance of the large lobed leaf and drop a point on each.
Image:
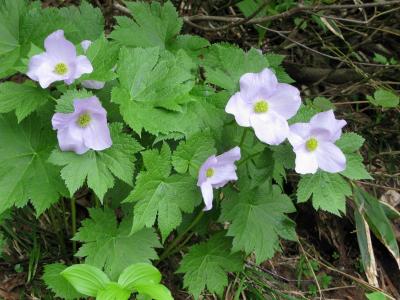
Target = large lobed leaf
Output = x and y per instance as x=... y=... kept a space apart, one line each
x=257 y=219
x=111 y=246
x=206 y=265
x=25 y=173
x=153 y=25
x=57 y=283
x=161 y=195
x=99 y=167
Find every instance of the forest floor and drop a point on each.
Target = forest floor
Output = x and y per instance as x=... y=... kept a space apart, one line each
x=343 y=54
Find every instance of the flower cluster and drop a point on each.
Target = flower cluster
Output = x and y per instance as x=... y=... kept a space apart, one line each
x=86 y=128
x=265 y=105
x=261 y=103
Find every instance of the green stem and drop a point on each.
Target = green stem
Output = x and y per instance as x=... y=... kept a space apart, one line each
x=250 y=157
x=73 y=222
x=167 y=252
x=243 y=137
x=59 y=231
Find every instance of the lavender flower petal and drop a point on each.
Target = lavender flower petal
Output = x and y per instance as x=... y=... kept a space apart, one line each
x=59 y=48
x=86 y=128
x=270 y=128
x=229 y=156
x=285 y=101
x=326 y=120
x=306 y=162
x=252 y=84
x=240 y=109
x=207 y=193
x=330 y=158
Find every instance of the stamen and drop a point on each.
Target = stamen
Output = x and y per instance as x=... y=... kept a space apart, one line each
x=61 y=69
x=261 y=106
x=210 y=172
x=312 y=144
x=83 y=120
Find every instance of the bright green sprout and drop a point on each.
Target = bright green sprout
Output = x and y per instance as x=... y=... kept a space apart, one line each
x=311 y=144
x=261 y=106
x=83 y=120
x=209 y=172
x=61 y=69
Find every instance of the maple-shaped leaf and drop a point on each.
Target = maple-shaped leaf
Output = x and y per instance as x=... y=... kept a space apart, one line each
x=161 y=195
x=23 y=98
x=192 y=153
x=57 y=283
x=258 y=218
x=152 y=25
x=350 y=143
x=99 y=167
x=206 y=265
x=25 y=173
x=110 y=246
x=154 y=77
x=103 y=56
x=328 y=191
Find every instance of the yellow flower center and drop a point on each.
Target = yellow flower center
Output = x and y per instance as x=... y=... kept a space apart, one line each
x=312 y=144
x=261 y=106
x=83 y=120
x=209 y=172
x=61 y=69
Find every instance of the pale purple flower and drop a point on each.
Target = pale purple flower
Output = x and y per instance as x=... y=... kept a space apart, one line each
x=314 y=144
x=264 y=104
x=91 y=84
x=59 y=62
x=86 y=128
x=215 y=172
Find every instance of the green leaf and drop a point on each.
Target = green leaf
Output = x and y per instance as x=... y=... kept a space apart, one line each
x=376 y=296
x=155 y=291
x=25 y=173
x=248 y=8
x=355 y=168
x=155 y=78
x=194 y=117
x=384 y=98
x=206 y=265
x=159 y=194
x=86 y=279
x=225 y=64
x=23 y=98
x=103 y=55
x=79 y=23
x=192 y=153
x=98 y=167
x=57 y=283
x=257 y=219
x=328 y=191
x=380 y=225
x=323 y=104
x=112 y=247
x=66 y=102
x=193 y=45
x=113 y=291
x=365 y=246
x=153 y=25
x=350 y=142
x=11 y=15
x=304 y=114
x=139 y=274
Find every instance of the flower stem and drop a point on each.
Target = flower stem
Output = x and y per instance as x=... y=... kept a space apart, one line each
x=243 y=137
x=73 y=222
x=167 y=252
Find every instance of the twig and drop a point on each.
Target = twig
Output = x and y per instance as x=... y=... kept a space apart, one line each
x=235 y=21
